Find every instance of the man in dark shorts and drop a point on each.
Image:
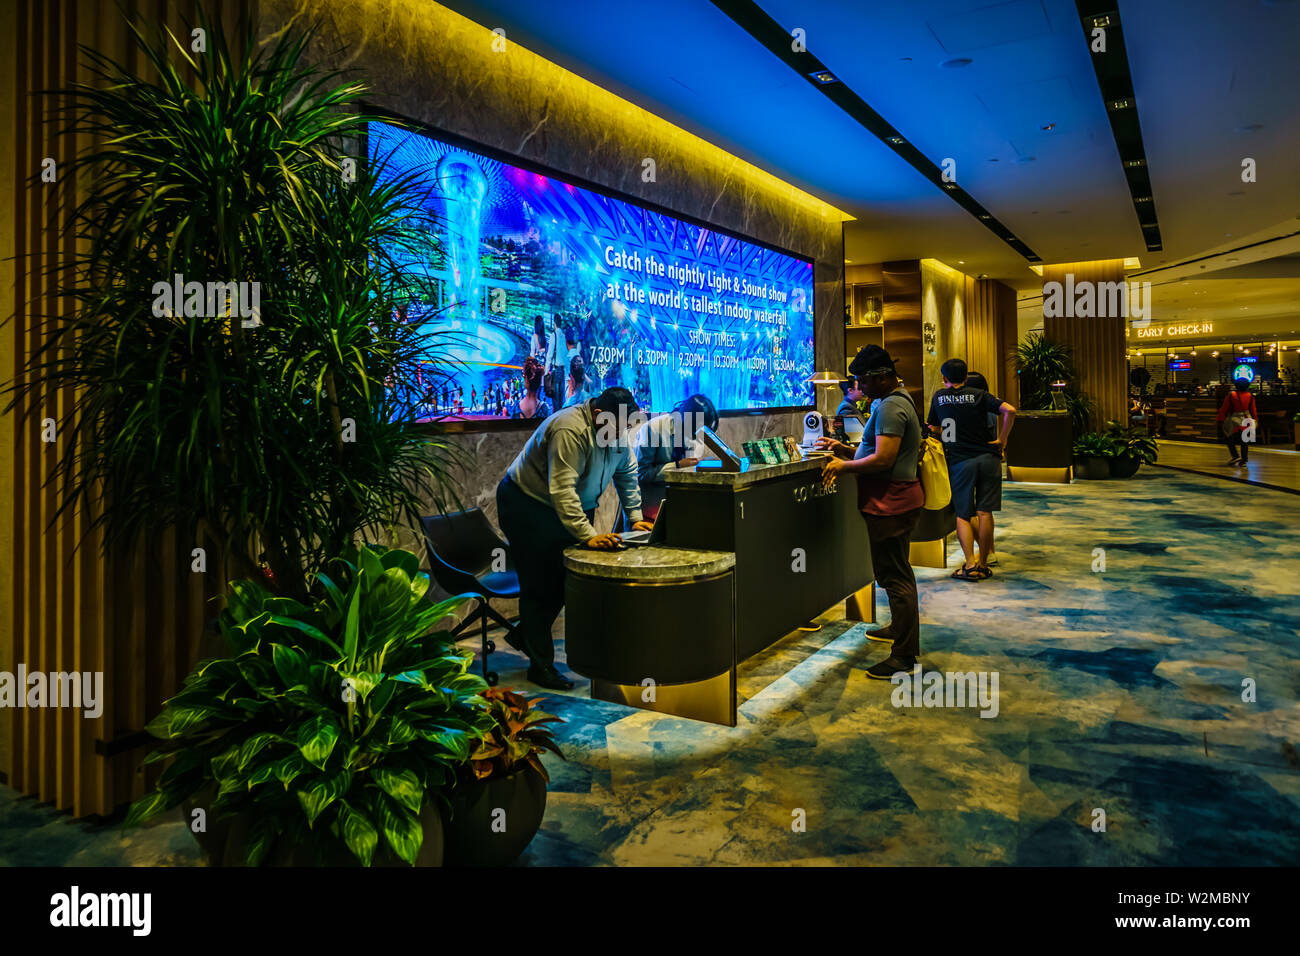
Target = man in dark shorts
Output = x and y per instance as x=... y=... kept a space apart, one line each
x=959 y=418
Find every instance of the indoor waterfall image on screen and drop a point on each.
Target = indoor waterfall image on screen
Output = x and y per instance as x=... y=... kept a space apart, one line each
x=528 y=266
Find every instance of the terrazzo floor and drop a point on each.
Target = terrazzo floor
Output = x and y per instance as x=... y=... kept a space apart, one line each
x=1120 y=691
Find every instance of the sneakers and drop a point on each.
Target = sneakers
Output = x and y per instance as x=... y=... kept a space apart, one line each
x=890 y=666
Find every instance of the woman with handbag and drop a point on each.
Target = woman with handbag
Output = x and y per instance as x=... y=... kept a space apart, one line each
x=1237 y=410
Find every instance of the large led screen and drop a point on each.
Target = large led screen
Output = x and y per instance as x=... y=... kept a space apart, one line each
x=528 y=266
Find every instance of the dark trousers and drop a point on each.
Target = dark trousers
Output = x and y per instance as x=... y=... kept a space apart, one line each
x=537 y=541
x=1237 y=447
x=891 y=538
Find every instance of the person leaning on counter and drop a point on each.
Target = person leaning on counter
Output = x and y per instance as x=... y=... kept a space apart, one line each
x=546 y=503
x=661 y=443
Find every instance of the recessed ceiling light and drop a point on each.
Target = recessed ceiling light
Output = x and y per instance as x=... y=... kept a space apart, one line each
x=1141 y=198
x=1102 y=21
x=949 y=185
x=896 y=140
x=956 y=63
x=1134 y=163
x=1120 y=104
x=961 y=262
x=823 y=77
x=1048 y=128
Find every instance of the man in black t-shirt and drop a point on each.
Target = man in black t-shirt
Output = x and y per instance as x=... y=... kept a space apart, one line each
x=959 y=418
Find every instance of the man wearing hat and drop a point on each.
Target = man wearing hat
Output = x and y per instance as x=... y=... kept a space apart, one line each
x=889 y=497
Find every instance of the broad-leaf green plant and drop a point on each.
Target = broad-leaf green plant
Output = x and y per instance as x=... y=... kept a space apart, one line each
x=1134 y=442
x=329 y=723
x=1095 y=445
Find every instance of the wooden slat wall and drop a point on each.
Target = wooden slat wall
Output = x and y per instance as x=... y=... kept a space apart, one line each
x=1100 y=353
x=991 y=334
x=901 y=320
x=136 y=617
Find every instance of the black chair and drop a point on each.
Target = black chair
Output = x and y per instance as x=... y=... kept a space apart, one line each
x=462 y=551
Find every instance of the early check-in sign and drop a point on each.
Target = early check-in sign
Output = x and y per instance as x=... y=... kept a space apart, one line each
x=1160 y=331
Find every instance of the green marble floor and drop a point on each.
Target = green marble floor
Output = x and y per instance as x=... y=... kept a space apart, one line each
x=1120 y=692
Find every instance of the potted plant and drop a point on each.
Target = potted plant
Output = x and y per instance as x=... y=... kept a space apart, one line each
x=1296 y=424
x=1133 y=446
x=1040 y=362
x=331 y=728
x=1092 y=455
x=497 y=804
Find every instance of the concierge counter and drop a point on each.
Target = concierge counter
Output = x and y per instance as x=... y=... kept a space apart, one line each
x=1041 y=447
x=746 y=558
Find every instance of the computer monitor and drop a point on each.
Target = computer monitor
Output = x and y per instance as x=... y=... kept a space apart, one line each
x=854 y=427
x=729 y=460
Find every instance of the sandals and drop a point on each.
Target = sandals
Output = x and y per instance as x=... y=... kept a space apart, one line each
x=977 y=573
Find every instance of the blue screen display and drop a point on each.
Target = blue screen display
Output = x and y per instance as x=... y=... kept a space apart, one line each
x=530 y=267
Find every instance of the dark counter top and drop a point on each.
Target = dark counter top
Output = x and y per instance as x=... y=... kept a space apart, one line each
x=756 y=473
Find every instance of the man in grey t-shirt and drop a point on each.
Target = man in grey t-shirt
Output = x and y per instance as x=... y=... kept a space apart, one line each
x=890 y=498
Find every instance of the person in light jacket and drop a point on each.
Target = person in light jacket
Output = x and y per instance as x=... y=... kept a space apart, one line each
x=546 y=502
x=663 y=442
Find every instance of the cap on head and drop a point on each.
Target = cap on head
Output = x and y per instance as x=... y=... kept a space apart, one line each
x=872 y=360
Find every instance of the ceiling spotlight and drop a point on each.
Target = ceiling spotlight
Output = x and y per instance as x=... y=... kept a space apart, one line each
x=1141 y=198
x=1193 y=351
x=949 y=185
x=1048 y=128
x=1123 y=104
x=1101 y=22
x=1134 y=163
x=823 y=77
x=896 y=140
x=985 y=216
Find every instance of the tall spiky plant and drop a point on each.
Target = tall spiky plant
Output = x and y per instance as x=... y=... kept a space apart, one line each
x=283 y=436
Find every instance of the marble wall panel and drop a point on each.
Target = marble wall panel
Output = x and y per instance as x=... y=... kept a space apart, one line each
x=426 y=62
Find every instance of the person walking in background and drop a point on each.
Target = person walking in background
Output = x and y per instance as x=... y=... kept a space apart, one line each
x=579 y=384
x=1237 y=409
x=890 y=499
x=959 y=417
x=538 y=347
x=976 y=380
x=556 y=364
x=546 y=503
x=532 y=404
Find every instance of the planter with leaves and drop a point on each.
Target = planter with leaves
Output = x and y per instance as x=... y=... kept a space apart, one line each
x=497 y=805
x=273 y=430
x=1093 y=453
x=1040 y=362
x=332 y=728
x=1133 y=448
